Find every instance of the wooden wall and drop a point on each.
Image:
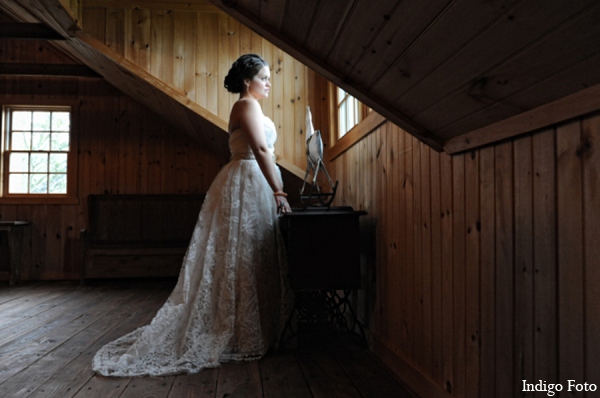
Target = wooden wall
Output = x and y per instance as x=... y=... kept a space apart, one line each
x=123 y=148
x=191 y=47
x=485 y=265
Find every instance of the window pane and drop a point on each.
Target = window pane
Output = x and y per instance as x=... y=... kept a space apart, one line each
x=58 y=162
x=41 y=121
x=343 y=124
x=19 y=162
x=21 y=141
x=341 y=95
x=348 y=120
x=60 y=142
x=21 y=120
x=58 y=183
x=17 y=183
x=351 y=113
x=40 y=142
x=38 y=183
x=61 y=121
x=39 y=163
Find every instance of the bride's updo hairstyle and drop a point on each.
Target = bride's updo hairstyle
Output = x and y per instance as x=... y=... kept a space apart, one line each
x=245 y=67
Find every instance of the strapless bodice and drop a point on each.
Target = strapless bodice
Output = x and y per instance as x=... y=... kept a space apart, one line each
x=239 y=147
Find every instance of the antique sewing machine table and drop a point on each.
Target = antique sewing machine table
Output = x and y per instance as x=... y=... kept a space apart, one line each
x=323 y=254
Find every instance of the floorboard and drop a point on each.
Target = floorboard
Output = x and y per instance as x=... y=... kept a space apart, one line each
x=282 y=376
x=49 y=332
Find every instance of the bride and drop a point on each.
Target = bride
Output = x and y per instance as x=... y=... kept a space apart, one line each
x=228 y=302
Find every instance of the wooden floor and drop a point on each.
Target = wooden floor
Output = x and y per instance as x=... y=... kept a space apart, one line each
x=50 y=331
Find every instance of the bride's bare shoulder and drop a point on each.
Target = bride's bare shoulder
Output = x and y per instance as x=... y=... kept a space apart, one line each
x=246 y=105
x=244 y=111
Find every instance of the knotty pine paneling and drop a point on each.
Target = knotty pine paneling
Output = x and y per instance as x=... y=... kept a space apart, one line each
x=192 y=50
x=123 y=149
x=486 y=262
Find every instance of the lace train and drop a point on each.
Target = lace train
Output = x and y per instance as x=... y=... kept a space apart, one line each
x=230 y=301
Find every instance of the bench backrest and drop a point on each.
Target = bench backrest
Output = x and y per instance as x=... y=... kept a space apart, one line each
x=163 y=219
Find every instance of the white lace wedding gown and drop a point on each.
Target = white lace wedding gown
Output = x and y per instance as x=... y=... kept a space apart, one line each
x=228 y=302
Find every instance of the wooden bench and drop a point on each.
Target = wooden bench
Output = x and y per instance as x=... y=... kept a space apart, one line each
x=130 y=236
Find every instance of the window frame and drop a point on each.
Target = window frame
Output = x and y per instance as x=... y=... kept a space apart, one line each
x=360 y=113
x=370 y=121
x=71 y=197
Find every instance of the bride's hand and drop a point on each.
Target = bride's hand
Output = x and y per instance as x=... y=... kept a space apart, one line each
x=282 y=204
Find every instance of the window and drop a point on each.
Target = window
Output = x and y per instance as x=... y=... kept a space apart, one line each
x=38 y=160
x=351 y=119
x=350 y=112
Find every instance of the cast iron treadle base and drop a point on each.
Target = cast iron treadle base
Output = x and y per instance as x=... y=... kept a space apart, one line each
x=322 y=313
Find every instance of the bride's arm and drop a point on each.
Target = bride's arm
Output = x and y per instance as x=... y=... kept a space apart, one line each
x=251 y=121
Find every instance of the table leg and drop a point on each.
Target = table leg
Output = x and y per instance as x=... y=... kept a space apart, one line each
x=15 y=244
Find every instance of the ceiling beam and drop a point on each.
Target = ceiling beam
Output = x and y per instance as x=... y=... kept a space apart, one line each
x=34 y=31
x=62 y=70
x=183 y=5
x=53 y=13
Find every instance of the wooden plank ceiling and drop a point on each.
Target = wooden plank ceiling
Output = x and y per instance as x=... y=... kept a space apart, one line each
x=440 y=69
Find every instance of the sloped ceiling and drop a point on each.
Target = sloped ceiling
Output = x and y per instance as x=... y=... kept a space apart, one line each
x=446 y=71
x=440 y=69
